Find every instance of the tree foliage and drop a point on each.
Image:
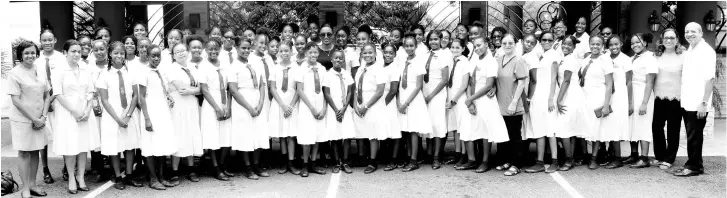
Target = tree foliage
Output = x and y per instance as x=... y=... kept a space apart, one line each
x=240 y=15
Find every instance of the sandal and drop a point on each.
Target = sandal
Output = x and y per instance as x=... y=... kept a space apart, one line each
x=503 y=167
x=371 y=168
x=567 y=166
x=389 y=167
x=346 y=169
x=665 y=165
x=512 y=171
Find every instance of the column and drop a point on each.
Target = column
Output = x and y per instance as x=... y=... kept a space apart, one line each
x=60 y=16
x=113 y=13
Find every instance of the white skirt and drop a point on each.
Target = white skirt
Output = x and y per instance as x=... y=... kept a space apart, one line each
x=215 y=134
x=416 y=119
x=280 y=126
x=115 y=139
x=161 y=141
x=640 y=125
x=71 y=137
x=249 y=133
x=308 y=126
x=488 y=110
x=340 y=130
x=185 y=116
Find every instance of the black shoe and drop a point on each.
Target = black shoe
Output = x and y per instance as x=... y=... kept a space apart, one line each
x=346 y=169
x=304 y=171
x=48 y=178
x=371 y=168
x=250 y=174
x=687 y=173
x=413 y=165
x=467 y=166
x=593 y=165
x=132 y=181
x=38 y=193
x=482 y=168
x=227 y=173
x=401 y=163
x=462 y=161
x=119 y=183
x=222 y=177
x=260 y=172
x=336 y=168
x=315 y=169
x=193 y=177
x=613 y=164
x=389 y=167
x=65 y=173
x=436 y=164
x=73 y=192
x=153 y=184
x=630 y=160
x=538 y=167
x=641 y=163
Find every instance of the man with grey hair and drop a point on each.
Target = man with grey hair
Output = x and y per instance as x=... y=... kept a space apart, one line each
x=696 y=95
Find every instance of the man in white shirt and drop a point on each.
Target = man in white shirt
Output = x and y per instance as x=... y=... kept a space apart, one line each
x=696 y=93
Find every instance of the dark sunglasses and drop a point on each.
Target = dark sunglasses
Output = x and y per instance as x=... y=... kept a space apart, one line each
x=327 y=34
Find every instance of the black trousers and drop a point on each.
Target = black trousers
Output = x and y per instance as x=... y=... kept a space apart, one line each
x=669 y=113
x=513 y=148
x=695 y=140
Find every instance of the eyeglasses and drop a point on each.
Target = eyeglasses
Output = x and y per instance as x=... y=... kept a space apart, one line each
x=327 y=34
x=670 y=38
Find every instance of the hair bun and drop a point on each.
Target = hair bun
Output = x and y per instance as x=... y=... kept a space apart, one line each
x=648 y=37
x=365 y=28
x=101 y=22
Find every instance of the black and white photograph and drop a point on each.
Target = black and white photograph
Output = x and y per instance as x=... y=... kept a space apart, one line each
x=363 y=99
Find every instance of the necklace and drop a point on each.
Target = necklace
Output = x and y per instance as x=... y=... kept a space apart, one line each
x=328 y=52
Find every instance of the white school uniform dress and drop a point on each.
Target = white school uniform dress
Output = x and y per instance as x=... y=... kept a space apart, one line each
x=571 y=123
x=280 y=126
x=437 y=106
x=416 y=118
x=390 y=110
x=311 y=130
x=450 y=113
x=338 y=83
x=137 y=69
x=533 y=62
x=72 y=137
x=95 y=135
x=162 y=140
x=350 y=53
x=167 y=58
x=215 y=134
x=540 y=118
x=372 y=125
x=488 y=110
x=642 y=65
x=465 y=123
x=582 y=48
x=185 y=114
x=115 y=139
x=43 y=64
x=595 y=92
x=615 y=122
x=249 y=133
x=264 y=65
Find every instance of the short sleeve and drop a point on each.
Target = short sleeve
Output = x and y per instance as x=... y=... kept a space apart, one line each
x=445 y=60
x=347 y=79
x=102 y=83
x=393 y=74
x=232 y=74
x=416 y=68
x=491 y=67
x=607 y=67
x=142 y=79
x=326 y=82
x=300 y=77
x=381 y=76
x=521 y=68
x=710 y=63
x=14 y=88
x=57 y=82
x=651 y=67
x=90 y=88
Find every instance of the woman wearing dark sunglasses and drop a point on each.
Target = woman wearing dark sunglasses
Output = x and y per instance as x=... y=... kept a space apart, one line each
x=326 y=46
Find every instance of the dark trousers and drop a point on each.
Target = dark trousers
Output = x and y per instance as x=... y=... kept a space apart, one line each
x=695 y=140
x=667 y=112
x=513 y=148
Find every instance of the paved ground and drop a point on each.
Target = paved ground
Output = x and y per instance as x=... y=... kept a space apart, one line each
x=425 y=182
